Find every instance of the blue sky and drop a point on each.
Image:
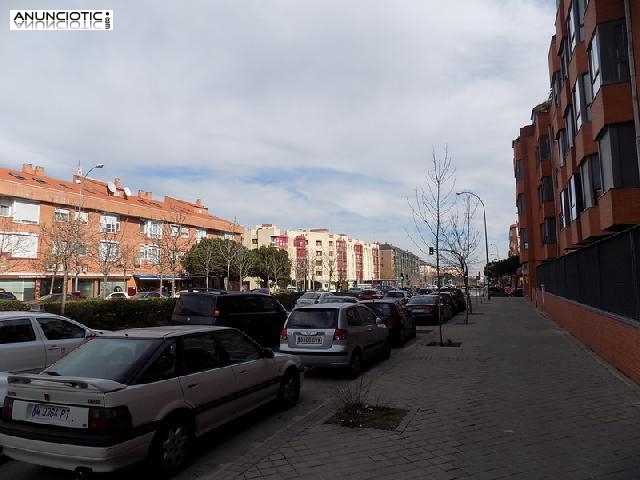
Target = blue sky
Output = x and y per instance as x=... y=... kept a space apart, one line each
x=300 y=113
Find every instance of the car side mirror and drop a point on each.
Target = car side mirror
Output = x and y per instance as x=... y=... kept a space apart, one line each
x=380 y=322
x=267 y=353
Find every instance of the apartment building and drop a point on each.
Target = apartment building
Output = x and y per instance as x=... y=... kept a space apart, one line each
x=578 y=184
x=400 y=267
x=119 y=239
x=320 y=258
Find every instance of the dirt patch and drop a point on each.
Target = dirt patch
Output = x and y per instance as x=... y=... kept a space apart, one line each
x=369 y=416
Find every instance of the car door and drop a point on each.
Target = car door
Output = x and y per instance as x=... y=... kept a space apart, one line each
x=60 y=336
x=21 y=348
x=375 y=335
x=256 y=376
x=208 y=382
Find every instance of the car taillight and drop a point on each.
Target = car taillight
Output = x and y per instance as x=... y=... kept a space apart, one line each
x=109 y=420
x=340 y=334
x=283 y=335
x=7 y=408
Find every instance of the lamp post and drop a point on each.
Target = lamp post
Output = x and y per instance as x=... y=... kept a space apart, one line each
x=486 y=241
x=83 y=178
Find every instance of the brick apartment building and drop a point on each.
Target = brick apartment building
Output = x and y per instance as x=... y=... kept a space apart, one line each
x=117 y=221
x=577 y=181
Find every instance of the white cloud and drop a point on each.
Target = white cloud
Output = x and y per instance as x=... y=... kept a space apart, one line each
x=365 y=87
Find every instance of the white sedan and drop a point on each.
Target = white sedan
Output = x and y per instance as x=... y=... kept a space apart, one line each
x=141 y=393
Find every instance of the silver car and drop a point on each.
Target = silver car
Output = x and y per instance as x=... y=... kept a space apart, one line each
x=335 y=335
x=310 y=298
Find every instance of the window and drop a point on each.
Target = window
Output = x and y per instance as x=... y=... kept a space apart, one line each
x=367 y=317
x=520 y=204
x=26 y=212
x=591 y=177
x=608 y=56
x=5 y=207
x=564 y=209
x=575 y=197
x=571 y=28
x=518 y=170
x=200 y=353
x=618 y=157
x=20 y=245
x=151 y=228
x=60 y=329
x=149 y=253
x=564 y=62
x=82 y=217
x=60 y=215
x=544 y=148
x=318 y=263
x=556 y=87
x=318 y=243
x=318 y=273
x=184 y=232
x=353 y=320
x=239 y=348
x=548 y=231
x=331 y=243
x=546 y=189
x=16 y=331
x=582 y=98
x=331 y=253
x=524 y=241
x=201 y=233
x=563 y=146
x=109 y=223
x=318 y=253
x=79 y=249
x=569 y=122
x=175 y=230
x=109 y=250
x=163 y=367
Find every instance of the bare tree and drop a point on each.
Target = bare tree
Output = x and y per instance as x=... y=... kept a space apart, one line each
x=226 y=253
x=302 y=270
x=107 y=252
x=128 y=253
x=174 y=243
x=431 y=208
x=242 y=263
x=329 y=264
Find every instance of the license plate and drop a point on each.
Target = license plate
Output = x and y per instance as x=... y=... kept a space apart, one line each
x=50 y=412
x=308 y=340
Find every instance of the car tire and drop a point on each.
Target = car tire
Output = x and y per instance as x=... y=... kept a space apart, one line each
x=171 y=447
x=289 y=391
x=355 y=364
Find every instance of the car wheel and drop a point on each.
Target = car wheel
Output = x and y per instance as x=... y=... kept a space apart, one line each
x=289 y=392
x=355 y=365
x=171 y=447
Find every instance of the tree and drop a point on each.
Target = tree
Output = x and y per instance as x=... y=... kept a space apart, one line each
x=270 y=263
x=503 y=268
x=202 y=259
x=174 y=243
x=431 y=208
x=302 y=270
x=107 y=252
x=329 y=264
x=242 y=263
x=226 y=253
x=66 y=240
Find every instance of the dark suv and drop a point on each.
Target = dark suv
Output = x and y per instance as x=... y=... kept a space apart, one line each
x=258 y=315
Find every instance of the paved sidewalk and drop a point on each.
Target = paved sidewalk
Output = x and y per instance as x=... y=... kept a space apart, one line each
x=520 y=399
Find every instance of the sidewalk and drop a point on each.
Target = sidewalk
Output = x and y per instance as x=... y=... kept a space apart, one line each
x=520 y=399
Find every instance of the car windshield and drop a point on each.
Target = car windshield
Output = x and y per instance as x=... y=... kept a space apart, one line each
x=382 y=309
x=310 y=295
x=104 y=357
x=313 y=318
x=423 y=300
x=201 y=305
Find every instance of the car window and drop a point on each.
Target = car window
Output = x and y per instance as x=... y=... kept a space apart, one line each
x=16 y=331
x=201 y=305
x=60 y=329
x=382 y=309
x=268 y=304
x=239 y=348
x=110 y=358
x=200 y=352
x=313 y=318
x=353 y=319
x=163 y=367
x=366 y=316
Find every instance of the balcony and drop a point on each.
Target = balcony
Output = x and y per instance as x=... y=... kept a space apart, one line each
x=619 y=208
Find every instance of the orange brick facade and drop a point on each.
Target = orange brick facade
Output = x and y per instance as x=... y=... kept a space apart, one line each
x=576 y=168
x=113 y=214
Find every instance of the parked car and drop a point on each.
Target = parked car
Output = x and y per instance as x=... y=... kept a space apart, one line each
x=338 y=299
x=7 y=296
x=266 y=291
x=395 y=316
x=258 y=315
x=424 y=309
x=517 y=292
x=91 y=411
x=449 y=300
x=458 y=297
x=54 y=297
x=310 y=298
x=113 y=295
x=149 y=295
x=31 y=341
x=369 y=293
x=335 y=335
x=401 y=295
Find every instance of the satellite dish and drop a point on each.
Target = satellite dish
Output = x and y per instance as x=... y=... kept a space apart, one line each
x=127 y=191
x=111 y=187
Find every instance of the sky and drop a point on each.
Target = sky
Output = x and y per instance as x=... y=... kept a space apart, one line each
x=298 y=113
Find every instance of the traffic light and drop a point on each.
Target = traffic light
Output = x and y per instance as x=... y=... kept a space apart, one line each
x=430 y=250
x=402 y=276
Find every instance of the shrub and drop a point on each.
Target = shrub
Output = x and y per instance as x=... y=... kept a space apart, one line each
x=13 y=305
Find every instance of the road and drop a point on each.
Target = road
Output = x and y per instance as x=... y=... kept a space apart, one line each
x=222 y=445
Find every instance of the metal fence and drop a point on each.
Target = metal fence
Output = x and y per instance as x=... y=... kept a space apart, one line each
x=604 y=275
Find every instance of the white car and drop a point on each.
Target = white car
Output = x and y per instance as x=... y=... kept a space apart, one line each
x=31 y=341
x=141 y=393
x=113 y=295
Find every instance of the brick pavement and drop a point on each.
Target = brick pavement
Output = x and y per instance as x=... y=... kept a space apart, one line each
x=520 y=399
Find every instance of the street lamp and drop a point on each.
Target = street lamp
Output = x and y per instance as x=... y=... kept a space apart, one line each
x=82 y=179
x=486 y=242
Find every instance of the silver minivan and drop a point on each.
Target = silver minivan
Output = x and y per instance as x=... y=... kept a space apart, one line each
x=335 y=335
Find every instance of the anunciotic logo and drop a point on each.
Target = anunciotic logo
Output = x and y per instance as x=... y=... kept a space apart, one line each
x=61 y=19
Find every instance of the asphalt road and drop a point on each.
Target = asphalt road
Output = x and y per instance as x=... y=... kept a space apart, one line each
x=220 y=446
